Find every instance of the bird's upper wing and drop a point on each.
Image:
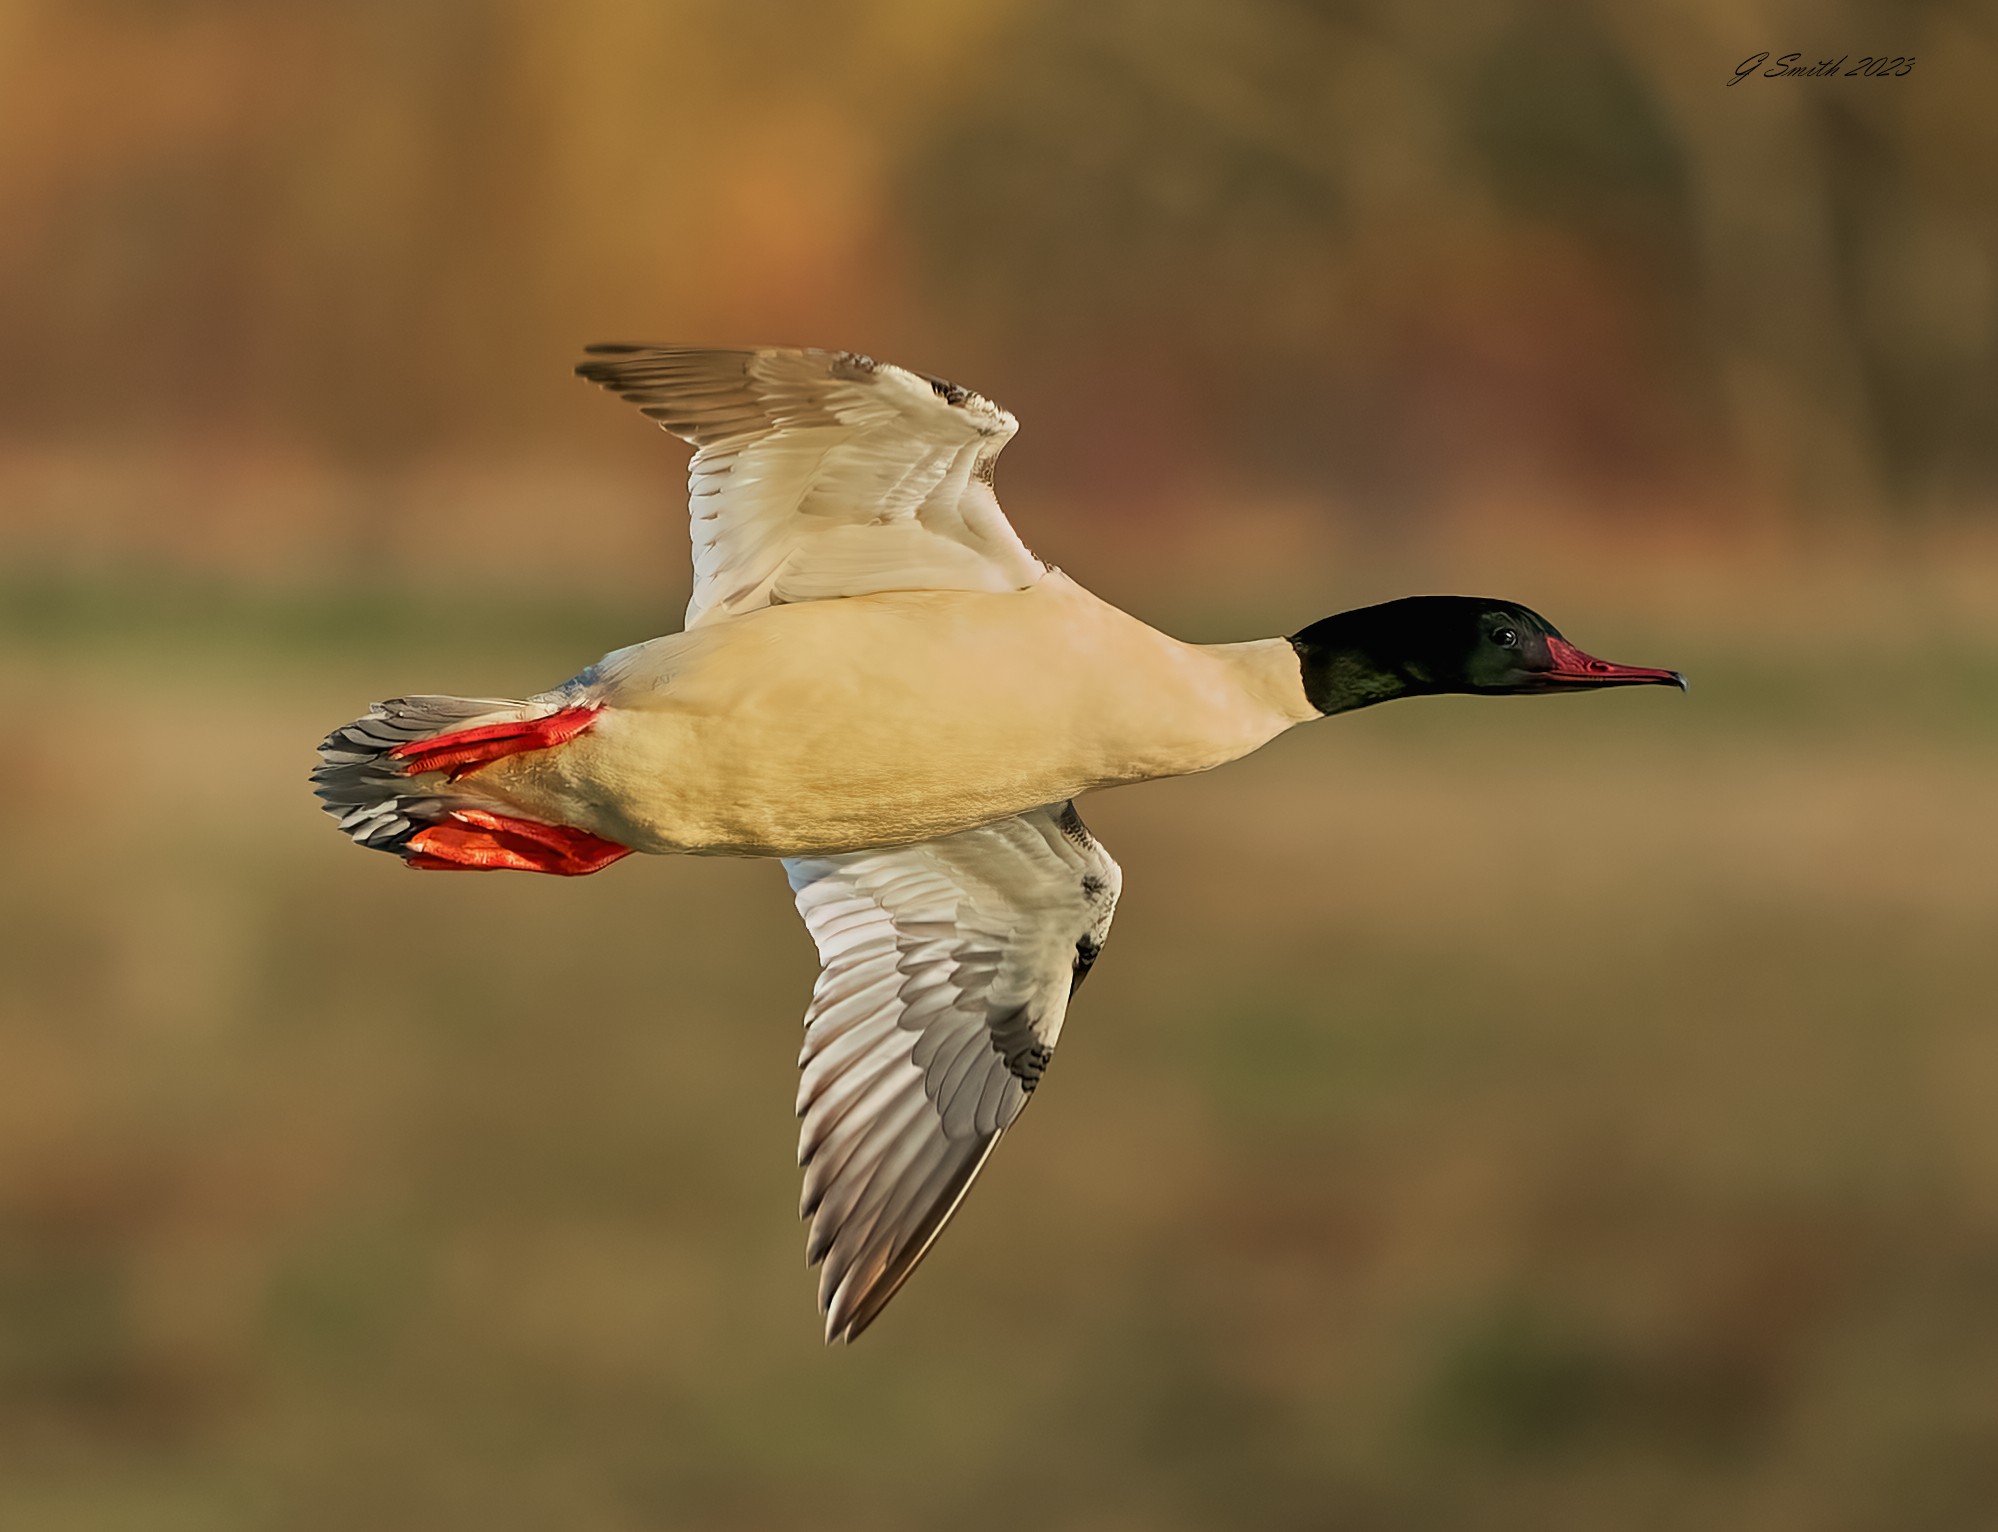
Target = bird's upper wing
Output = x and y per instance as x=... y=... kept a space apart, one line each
x=825 y=473
x=948 y=968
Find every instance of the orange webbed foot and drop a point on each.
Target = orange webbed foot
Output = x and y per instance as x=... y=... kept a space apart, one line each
x=464 y=751
x=473 y=840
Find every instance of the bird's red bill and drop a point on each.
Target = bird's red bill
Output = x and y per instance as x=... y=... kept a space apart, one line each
x=1571 y=665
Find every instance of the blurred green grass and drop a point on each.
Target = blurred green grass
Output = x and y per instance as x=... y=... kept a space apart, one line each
x=1540 y=1114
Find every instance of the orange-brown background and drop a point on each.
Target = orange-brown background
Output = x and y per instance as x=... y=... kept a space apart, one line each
x=1504 y=1115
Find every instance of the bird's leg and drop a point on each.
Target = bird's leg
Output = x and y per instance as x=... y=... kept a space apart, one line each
x=473 y=840
x=464 y=751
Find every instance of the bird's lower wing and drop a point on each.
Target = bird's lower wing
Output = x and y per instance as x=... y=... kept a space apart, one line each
x=947 y=968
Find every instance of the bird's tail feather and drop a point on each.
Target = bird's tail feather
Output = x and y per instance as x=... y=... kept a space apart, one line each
x=383 y=799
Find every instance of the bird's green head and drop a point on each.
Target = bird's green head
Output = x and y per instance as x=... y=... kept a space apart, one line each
x=1422 y=645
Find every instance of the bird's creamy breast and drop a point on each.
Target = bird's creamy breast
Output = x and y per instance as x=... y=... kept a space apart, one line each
x=875 y=720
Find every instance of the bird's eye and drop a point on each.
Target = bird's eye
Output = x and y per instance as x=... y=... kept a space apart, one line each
x=1505 y=638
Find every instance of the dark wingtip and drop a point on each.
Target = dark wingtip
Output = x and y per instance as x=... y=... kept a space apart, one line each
x=603 y=371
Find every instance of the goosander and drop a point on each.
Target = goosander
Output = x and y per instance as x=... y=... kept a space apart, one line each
x=878 y=684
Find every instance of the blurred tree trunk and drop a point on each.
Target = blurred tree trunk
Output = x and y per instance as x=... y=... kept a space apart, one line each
x=1789 y=371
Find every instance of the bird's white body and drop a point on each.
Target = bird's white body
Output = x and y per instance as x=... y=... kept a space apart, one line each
x=879 y=720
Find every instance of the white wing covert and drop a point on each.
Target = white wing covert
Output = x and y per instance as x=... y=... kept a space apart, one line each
x=947 y=972
x=825 y=473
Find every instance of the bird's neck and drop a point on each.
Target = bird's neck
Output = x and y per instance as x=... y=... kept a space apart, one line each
x=1346 y=664
x=1258 y=680
x=1342 y=682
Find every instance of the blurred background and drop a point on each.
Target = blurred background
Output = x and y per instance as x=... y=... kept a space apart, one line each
x=1536 y=1115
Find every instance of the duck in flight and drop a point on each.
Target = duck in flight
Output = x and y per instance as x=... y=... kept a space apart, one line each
x=879 y=684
